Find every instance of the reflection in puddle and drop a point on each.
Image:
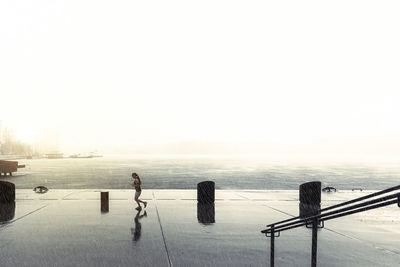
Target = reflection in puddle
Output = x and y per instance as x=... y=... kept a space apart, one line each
x=137 y=231
x=206 y=213
x=7 y=211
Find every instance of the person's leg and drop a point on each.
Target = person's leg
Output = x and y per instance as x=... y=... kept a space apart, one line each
x=144 y=202
x=138 y=202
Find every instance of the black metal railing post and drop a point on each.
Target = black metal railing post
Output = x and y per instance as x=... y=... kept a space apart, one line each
x=272 y=256
x=322 y=215
x=314 y=243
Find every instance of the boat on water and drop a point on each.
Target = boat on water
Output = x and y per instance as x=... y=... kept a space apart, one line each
x=54 y=155
x=85 y=155
x=96 y=155
x=79 y=156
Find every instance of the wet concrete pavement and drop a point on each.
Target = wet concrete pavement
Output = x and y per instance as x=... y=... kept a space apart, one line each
x=67 y=228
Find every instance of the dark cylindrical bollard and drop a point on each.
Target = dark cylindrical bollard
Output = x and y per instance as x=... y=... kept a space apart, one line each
x=7 y=211
x=206 y=213
x=7 y=192
x=206 y=192
x=104 y=201
x=310 y=199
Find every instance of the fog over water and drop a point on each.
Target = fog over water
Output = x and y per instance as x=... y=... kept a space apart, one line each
x=262 y=76
x=184 y=172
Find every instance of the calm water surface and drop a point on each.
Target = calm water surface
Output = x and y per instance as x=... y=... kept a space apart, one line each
x=183 y=172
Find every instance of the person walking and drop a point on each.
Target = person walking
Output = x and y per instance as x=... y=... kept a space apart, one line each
x=137 y=185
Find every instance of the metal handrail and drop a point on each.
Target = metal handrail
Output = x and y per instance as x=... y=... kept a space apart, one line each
x=321 y=217
x=316 y=220
x=345 y=203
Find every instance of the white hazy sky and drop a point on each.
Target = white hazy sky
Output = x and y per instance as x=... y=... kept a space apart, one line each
x=148 y=72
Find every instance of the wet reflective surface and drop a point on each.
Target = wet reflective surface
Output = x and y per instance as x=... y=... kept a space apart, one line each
x=137 y=230
x=65 y=228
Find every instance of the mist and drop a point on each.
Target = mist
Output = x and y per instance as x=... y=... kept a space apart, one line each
x=221 y=77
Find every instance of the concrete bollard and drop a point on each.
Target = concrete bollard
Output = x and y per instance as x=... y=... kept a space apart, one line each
x=7 y=211
x=7 y=192
x=206 y=192
x=104 y=201
x=310 y=199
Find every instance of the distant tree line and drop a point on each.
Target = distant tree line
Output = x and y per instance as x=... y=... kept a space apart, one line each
x=10 y=146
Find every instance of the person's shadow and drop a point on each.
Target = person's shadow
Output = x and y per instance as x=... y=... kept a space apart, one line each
x=137 y=231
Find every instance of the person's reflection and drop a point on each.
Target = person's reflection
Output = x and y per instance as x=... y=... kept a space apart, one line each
x=7 y=212
x=137 y=231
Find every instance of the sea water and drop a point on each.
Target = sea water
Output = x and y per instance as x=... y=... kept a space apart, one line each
x=184 y=172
